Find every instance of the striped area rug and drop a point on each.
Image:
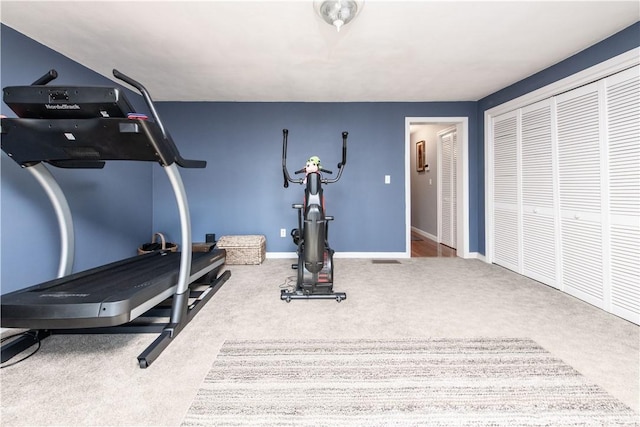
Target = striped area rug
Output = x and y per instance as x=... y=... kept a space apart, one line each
x=434 y=382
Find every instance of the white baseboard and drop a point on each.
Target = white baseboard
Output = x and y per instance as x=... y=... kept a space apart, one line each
x=425 y=234
x=476 y=255
x=365 y=255
x=368 y=255
x=281 y=255
x=371 y=255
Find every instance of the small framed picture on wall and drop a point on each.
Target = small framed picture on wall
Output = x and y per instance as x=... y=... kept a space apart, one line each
x=420 y=156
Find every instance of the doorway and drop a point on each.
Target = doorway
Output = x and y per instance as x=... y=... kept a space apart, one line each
x=429 y=175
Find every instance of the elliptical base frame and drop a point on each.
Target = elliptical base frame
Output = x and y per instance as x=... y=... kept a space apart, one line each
x=309 y=287
x=287 y=296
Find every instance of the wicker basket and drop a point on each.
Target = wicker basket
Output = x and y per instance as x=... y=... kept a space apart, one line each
x=249 y=249
x=157 y=246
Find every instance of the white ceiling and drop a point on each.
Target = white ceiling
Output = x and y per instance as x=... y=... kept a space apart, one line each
x=282 y=51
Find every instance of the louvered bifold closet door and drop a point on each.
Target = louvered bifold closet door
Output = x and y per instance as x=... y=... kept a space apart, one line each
x=506 y=241
x=538 y=201
x=580 y=177
x=454 y=190
x=623 y=135
x=448 y=229
x=446 y=224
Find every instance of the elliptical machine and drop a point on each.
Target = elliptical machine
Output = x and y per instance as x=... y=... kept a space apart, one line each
x=315 y=257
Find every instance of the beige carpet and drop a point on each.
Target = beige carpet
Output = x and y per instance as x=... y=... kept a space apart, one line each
x=95 y=380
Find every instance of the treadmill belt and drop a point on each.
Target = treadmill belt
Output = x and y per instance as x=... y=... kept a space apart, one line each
x=109 y=295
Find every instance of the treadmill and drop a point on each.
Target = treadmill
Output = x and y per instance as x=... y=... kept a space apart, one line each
x=159 y=292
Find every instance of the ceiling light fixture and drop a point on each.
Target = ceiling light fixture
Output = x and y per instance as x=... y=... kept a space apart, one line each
x=338 y=12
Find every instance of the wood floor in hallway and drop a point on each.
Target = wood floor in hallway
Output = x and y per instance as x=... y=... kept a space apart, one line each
x=424 y=247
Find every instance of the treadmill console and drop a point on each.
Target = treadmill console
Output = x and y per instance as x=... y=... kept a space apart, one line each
x=66 y=102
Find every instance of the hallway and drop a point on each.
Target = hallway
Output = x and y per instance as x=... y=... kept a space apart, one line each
x=424 y=247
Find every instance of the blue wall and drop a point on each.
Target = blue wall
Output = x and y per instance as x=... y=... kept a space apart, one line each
x=111 y=207
x=241 y=191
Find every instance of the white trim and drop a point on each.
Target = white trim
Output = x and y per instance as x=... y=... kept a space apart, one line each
x=463 y=187
x=477 y=255
x=589 y=75
x=281 y=255
x=462 y=175
x=365 y=255
x=439 y=187
x=372 y=255
x=625 y=314
x=519 y=190
x=488 y=187
x=425 y=234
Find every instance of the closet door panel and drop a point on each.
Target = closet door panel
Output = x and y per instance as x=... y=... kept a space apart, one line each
x=623 y=149
x=538 y=205
x=579 y=150
x=447 y=225
x=454 y=190
x=580 y=194
x=625 y=271
x=505 y=192
x=582 y=259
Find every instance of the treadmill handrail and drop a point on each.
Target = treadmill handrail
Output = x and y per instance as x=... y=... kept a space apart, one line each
x=170 y=146
x=46 y=78
x=147 y=98
x=63 y=214
x=173 y=173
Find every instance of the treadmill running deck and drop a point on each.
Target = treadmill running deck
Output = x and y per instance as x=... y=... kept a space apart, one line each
x=109 y=295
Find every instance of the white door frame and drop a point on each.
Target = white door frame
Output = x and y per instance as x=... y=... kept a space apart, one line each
x=462 y=190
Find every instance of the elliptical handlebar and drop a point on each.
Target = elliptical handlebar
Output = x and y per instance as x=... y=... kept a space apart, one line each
x=285 y=172
x=343 y=162
x=323 y=170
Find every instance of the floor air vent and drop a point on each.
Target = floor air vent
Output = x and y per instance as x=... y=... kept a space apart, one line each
x=385 y=261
